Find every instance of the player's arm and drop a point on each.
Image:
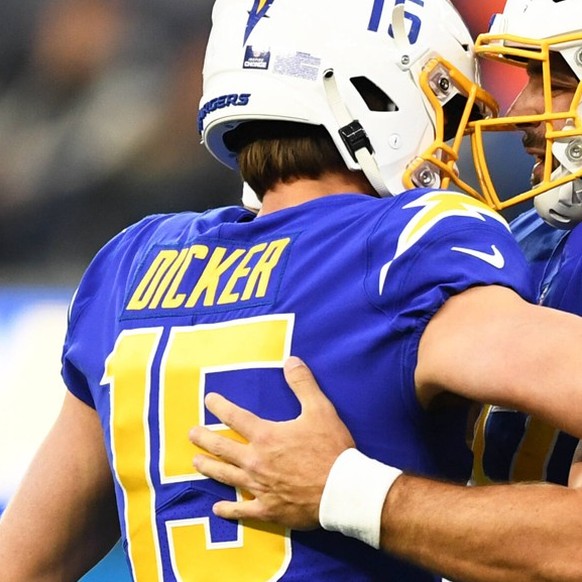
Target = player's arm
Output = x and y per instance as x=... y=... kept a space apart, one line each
x=490 y=345
x=501 y=533
x=476 y=534
x=62 y=519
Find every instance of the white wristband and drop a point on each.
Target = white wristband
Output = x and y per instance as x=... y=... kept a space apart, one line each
x=354 y=495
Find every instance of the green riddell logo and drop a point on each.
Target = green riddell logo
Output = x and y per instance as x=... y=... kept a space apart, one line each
x=257 y=12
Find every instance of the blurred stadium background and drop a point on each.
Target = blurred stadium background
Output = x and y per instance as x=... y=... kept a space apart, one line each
x=98 y=104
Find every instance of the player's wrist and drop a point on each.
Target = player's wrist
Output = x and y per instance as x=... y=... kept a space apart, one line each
x=354 y=496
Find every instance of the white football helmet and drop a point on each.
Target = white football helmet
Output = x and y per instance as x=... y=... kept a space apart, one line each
x=533 y=30
x=310 y=61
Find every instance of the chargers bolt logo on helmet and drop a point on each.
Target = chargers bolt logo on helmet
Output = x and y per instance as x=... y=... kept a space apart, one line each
x=258 y=11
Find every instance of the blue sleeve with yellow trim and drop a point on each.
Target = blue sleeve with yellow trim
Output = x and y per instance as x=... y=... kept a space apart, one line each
x=449 y=242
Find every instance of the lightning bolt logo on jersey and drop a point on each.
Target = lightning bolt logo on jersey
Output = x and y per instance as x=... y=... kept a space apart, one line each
x=190 y=303
x=435 y=207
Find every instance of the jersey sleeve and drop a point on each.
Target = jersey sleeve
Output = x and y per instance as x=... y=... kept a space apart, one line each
x=452 y=261
x=440 y=252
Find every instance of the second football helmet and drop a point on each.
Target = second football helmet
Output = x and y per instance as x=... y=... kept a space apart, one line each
x=538 y=31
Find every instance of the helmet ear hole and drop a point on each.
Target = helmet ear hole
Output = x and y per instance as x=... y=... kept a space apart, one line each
x=373 y=96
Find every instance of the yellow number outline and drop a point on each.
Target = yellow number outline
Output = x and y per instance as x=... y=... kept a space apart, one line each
x=260 y=552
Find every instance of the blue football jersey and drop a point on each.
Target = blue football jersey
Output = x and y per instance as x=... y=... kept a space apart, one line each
x=542 y=246
x=180 y=305
x=510 y=445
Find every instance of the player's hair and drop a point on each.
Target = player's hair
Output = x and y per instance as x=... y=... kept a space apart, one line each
x=269 y=152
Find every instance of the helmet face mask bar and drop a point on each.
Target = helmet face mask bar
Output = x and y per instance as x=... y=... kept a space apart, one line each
x=437 y=165
x=303 y=61
x=529 y=31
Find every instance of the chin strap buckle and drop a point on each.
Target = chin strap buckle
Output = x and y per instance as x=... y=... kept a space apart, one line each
x=353 y=135
x=355 y=138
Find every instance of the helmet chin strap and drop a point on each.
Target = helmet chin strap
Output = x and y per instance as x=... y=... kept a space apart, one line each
x=353 y=135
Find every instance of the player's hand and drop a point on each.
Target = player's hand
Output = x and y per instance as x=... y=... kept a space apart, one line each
x=284 y=465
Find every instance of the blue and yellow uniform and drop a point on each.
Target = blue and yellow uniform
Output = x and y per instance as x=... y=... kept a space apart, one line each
x=512 y=446
x=180 y=305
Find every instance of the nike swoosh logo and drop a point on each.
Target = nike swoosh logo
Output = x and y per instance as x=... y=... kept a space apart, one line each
x=495 y=259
